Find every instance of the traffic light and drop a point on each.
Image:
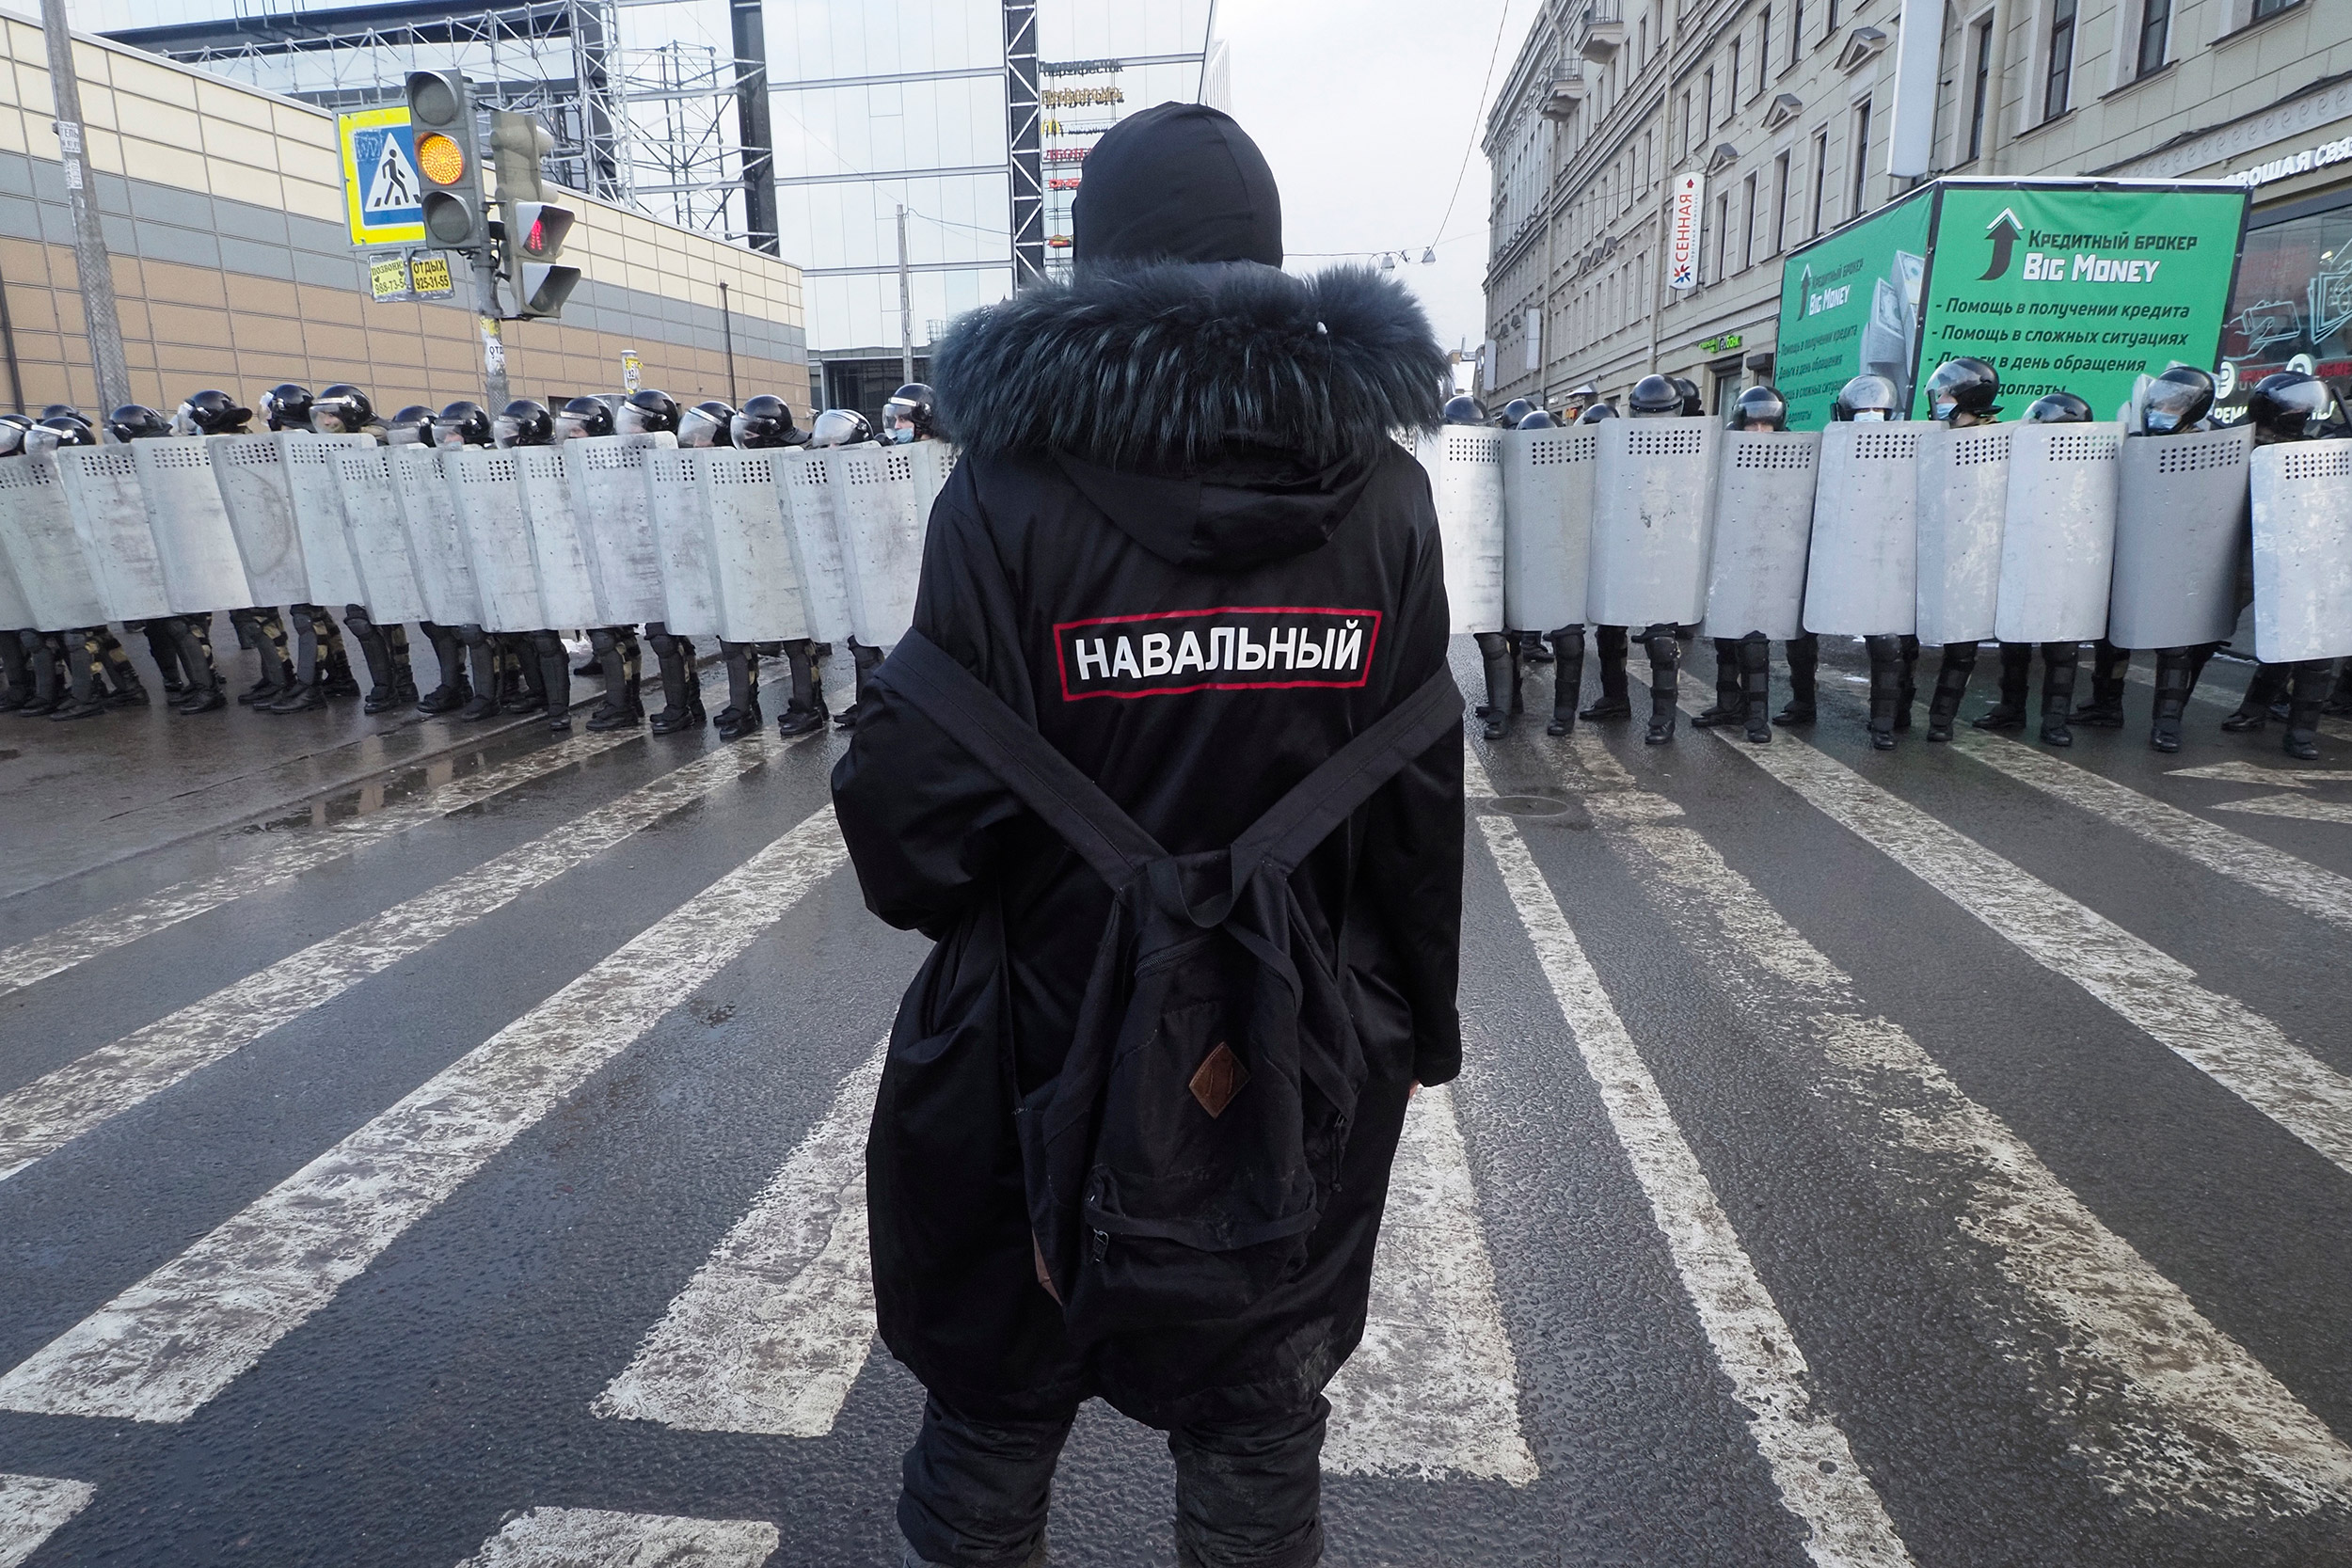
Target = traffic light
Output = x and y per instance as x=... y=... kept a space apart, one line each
x=535 y=232
x=440 y=113
x=518 y=142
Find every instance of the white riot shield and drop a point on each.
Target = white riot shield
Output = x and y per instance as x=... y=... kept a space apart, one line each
x=1962 y=478
x=1862 y=572
x=806 y=481
x=606 y=478
x=330 y=553
x=485 y=487
x=1465 y=466
x=2057 y=534
x=1547 y=526
x=2303 y=493
x=256 y=492
x=2180 y=526
x=756 y=568
x=110 y=521
x=379 y=536
x=36 y=527
x=681 y=536
x=558 y=550
x=204 y=570
x=880 y=518
x=1763 y=524
x=437 y=544
x=1653 y=489
x=16 y=610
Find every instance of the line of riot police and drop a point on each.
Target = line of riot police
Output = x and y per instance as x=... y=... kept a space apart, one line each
x=2152 y=532
x=492 y=534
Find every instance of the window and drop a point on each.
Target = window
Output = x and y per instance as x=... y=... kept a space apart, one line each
x=1731 y=99
x=1796 y=33
x=1747 y=224
x=1641 y=52
x=2154 y=22
x=1763 y=50
x=1862 y=153
x=2268 y=9
x=1722 y=235
x=1780 y=204
x=1707 y=117
x=1686 y=123
x=1981 y=94
x=1830 y=30
x=1821 y=174
x=2061 y=59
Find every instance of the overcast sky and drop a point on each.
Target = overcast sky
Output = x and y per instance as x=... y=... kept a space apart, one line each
x=1364 y=108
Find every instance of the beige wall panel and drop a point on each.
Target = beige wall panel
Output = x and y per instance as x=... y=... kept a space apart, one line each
x=190 y=324
x=279 y=336
x=184 y=285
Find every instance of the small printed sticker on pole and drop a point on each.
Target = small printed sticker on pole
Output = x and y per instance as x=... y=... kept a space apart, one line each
x=493 y=347
x=70 y=137
x=632 y=372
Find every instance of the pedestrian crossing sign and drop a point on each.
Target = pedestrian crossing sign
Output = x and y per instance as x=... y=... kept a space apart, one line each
x=383 y=197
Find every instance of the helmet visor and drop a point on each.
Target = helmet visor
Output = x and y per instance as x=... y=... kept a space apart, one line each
x=505 y=429
x=697 y=429
x=570 y=427
x=11 y=438
x=632 y=421
x=42 y=438
x=747 y=429
x=183 y=421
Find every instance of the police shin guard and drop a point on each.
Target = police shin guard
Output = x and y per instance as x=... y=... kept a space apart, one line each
x=333 y=668
x=681 y=694
x=2176 y=676
x=805 y=711
x=167 y=656
x=311 y=678
x=204 y=693
x=2310 y=696
x=16 y=672
x=377 y=654
x=522 y=680
x=2016 y=677
x=486 y=654
x=1495 y=653
x=1665 y=689
x=1567 y=677
x=46 y=666
x=2268 y=683
x=555 y=672
x=1887 y=685
x=1951 y=686
x=86 y=696
x=2340 y=700
x=616 y=650
x=1756 y=687
x=2059 y=662
x=740 y=717
x=1805 y=664
x=2110 y=667
x=1907 y=692
x=1730 y=693
x=1610 y=646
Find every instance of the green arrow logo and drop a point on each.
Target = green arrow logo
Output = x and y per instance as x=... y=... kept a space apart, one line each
x=2005 y=233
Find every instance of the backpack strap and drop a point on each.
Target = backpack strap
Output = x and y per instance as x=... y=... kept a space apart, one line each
x=1318 y=803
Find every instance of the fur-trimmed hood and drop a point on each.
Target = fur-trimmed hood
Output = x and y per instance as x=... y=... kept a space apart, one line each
x=1166 y=368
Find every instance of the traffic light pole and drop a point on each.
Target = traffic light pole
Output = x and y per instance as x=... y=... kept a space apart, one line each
x=100 y=319
x=485 y=282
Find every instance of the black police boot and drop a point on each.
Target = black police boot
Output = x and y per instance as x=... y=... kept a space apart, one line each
x=555 y=677
x=2268 y=684
x=591 y=668
x=1951 y=686
x=2310 y=696
x=1731 y=695
x=2339 y=700
x=1756 y=681
x=681 y=694
x=1907 y=692
x=1567 y=678
x=446 y=699
x=1495 y=653
x=1614 y=703
x=161 y=648
x=1531 y=648
x=306 y=696
x=338 y=680
x=2175 y=675
x=2059 y=662
x=734 y=724
x=1886 y=684
x=2110 y=667
x=1805 y=664
x=2016 y=677
x=383 y=686
x=628 y=714
x=1666 y=693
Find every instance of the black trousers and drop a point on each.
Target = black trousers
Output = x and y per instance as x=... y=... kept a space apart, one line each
x=1247 y=1494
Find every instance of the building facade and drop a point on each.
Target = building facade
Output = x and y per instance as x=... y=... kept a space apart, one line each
x=1784 y=109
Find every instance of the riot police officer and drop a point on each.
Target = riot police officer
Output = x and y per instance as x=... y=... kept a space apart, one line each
x=2059 y=660
x=907 y=416
x=1870 y=398
x=1497 y=650
x=2289 y=405
x=344 y=409
x=2178 y=402
x=258 y=629
x=321 y=667
x=1654 y=397
x=98 y=672
x=527 y=422
x=1962 y=393
x=505 y=680
x=1462 y=409
x=764 y=423
x=707 y=424
x=412 y=425
x=189 y=637
x=847 y=427
x=1743 y=665
x=646 y=412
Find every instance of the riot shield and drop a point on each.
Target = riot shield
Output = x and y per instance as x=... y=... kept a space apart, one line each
x=756 y=569
x=808 y=488
x=486 y=488
x=379 y=539
x=1962 y=478
x=437 y=544
x=330 y=553
x=1465 y=466
x=1547 y=526
x=1653 y=489
x=2058 y=532
x=1763 y=523
x=1862 y=570
x=204 y=570
x=681 y=536
x=110 y=521
x=559 y=548
x=2180 y=517
x=256 y=492
x=36 y=527
x=2303 y=493
x=614 y=511
x=881 y=519
x=16 y=610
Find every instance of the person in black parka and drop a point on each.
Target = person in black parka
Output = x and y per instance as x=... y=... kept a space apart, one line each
x=1185 y=543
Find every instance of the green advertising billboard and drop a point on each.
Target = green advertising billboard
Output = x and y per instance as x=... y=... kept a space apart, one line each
x=2076 y=286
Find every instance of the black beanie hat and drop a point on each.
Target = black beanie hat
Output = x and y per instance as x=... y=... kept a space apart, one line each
x=1177 y=182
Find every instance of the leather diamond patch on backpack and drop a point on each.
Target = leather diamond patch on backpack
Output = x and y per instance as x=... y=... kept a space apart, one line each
x=1219 y=1077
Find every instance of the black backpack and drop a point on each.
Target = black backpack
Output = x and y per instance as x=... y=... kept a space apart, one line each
x=1176 y=1165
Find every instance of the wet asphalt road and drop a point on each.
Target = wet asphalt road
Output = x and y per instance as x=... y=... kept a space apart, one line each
x=1941 y=1155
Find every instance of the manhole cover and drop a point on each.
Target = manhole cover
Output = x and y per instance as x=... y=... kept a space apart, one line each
x=1528 y=805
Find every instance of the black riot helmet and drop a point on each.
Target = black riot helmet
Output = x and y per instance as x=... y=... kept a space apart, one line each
x=62 y=431
x=524 y=422
x=707 y=424
x=1760 y=408
x=764 y=420
x=212 y=412
x=646 y=412
x=583 y=417
x=58 y=411
x=462 y=424
x=1655 y=397
x=1596 y=413
x=2060 y=409
x=2289 y=405
x=1692 y=404
x=1464 y=409
x=1538 y=419
x=2176 y=400
x=287 y=406
x=1867 y=398
x=411 y=426
x=908 y=414
x=136 y=421
x=1513 y=411
x=13 y=429
x=342 y=409
x=839 y=427
x=1963 y=385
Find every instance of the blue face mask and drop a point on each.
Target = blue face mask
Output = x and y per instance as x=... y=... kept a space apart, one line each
x=901 y=435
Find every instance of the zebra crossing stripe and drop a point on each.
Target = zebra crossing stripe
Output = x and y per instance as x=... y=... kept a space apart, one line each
x=165 y=1346
x=2219 y=1035
x=32 y=1507
x=2323 y=893
x=2197 y=1417
x=1811 y=1463
x=2292 y=806
x=55 y=952
x=591 y=1538
x=41 y=1117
